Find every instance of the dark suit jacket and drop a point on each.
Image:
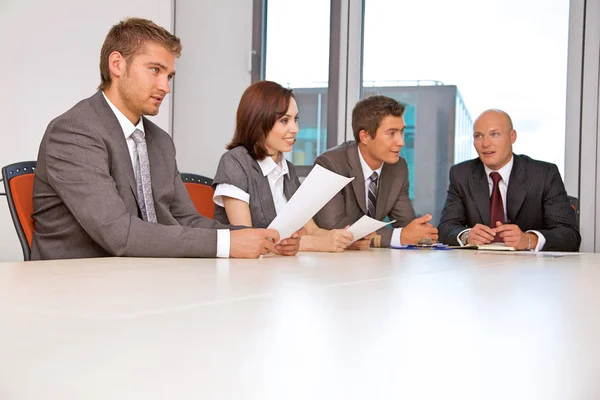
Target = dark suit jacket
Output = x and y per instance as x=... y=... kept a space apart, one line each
x=238 y=168
x=350 y=204
x=84 y=195
x=536 y=200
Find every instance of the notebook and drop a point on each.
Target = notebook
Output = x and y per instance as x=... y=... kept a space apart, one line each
x=490 y=246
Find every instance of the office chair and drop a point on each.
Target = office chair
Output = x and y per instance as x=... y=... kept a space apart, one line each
x=200 y=190
x=18 y=185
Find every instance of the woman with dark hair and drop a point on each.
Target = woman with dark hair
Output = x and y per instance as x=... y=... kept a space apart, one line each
x=254 y=181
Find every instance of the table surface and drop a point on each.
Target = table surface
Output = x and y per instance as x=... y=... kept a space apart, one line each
x=379 y=324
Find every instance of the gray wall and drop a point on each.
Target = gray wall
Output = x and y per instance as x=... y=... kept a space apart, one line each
x=212 y=74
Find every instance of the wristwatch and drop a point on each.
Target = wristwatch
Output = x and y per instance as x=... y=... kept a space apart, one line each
x=464 y=237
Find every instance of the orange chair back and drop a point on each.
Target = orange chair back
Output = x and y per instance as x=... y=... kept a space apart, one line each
x=202 y=197
x=200 y=190
x=22 y=192
x=18 y=183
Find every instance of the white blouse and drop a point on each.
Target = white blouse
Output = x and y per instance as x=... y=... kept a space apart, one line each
x=275 y=173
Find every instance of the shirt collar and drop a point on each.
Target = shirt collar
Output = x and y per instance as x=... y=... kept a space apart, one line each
x=126 y=125
x=504 y=171
x=267 y=165
x=367 y=171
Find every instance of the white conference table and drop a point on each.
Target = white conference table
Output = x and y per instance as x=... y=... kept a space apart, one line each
x=381 y=324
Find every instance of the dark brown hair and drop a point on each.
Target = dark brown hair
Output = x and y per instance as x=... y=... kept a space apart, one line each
x=368 y=114
x=261 y=105
x=128 y=37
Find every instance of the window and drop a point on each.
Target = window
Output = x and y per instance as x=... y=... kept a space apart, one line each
x=450 y=61
x=299 y=59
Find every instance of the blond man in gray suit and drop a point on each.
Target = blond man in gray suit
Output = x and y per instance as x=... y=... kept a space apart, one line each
x=380 y=185
x=107 y=183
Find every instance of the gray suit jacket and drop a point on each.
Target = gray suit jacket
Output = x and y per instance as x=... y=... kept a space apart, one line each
x=350 y=204
x=536 y=200
x=84 y=195
x=238 y=168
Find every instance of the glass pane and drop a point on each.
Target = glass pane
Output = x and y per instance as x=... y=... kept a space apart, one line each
x=300 y=61
x=449 y=61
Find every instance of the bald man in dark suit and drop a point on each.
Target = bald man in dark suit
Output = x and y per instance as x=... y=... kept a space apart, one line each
x=508 y=198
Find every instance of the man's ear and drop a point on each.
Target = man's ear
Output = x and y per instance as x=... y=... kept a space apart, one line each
x=117 y=64
x=364 y=136
x=513 y=136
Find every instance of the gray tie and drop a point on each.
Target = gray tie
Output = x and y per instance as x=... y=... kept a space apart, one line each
x=372 y=196
x=144 y=182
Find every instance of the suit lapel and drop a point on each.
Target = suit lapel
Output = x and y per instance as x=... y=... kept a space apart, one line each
x=155 y=157
x=480 y=191
x=358 y=184
x=110 y=121
x=517 y=188
x=384 y=189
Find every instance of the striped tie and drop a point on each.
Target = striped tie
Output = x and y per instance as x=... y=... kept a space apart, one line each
x=144 y=182
x=372 y=196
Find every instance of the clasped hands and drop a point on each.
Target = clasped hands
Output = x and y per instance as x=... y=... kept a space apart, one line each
x=510 y=234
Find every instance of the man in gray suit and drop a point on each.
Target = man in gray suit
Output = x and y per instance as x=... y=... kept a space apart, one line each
x=106 y=182
x=380 y=185
x=505 y=197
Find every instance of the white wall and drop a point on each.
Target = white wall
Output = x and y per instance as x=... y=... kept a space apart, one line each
x=50 y=53
x=212 y=74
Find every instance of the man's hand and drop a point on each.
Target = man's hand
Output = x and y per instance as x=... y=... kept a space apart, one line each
x=251 y=243
x=362 y=244
x=481 y=234
x=290 y=246
x=418 y=229
x=513 y=236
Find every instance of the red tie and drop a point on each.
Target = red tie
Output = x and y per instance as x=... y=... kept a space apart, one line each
x=496 y=207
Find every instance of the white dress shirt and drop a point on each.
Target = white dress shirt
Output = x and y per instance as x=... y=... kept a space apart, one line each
x=503 y=186
x=367 y=172
x=223 y=235
x=275 y=173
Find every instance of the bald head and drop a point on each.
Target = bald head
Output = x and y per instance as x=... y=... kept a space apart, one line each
x=493 y=137
x=499 y=116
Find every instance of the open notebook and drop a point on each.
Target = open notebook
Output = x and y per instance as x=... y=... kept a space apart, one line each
x=490 y=246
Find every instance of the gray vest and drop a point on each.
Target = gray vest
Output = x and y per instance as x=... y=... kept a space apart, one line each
x=238 y=168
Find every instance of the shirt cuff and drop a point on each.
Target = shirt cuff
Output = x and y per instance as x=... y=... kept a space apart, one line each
x=395 y=242
x=223 y=243
x=227 y=190
x=541 y=240
x=460 y=234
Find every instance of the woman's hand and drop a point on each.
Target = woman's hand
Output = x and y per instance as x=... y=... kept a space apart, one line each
x=362 y=244
x=337 y=240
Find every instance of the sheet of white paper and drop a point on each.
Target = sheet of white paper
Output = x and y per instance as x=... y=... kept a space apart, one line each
x=366 y=225
x=317 y=189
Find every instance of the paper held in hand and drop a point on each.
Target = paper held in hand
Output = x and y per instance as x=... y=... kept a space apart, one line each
x=366 y=225
x=317 y=189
